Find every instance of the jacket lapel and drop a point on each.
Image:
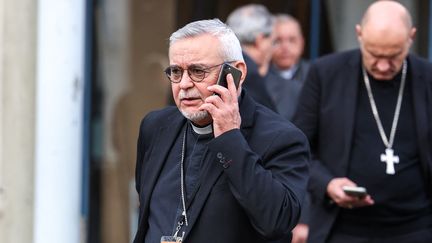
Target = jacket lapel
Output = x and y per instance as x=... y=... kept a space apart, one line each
x=164 y=140
x=422 y=120
x=350 y=87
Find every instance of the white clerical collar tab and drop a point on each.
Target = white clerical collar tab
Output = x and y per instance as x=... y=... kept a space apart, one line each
x=202 y=130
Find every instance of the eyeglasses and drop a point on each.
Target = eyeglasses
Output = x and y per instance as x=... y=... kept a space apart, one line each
x=196 y=72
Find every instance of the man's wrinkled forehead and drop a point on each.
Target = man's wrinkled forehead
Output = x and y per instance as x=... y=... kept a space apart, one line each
x=197 y=49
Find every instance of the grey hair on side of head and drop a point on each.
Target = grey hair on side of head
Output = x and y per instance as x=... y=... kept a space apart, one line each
x=230 y=45
x=249 y=21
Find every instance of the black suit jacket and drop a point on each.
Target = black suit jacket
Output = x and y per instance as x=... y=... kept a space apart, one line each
x=258 y=195
x=326 y=114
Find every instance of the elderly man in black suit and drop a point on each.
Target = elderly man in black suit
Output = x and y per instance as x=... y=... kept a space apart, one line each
x=216 y=168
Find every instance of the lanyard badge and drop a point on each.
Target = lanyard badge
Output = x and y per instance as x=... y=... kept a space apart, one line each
x=171 y=239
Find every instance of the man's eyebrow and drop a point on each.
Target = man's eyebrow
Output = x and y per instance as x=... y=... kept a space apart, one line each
x=198 y=64
x=193 y=65
x=385 y=56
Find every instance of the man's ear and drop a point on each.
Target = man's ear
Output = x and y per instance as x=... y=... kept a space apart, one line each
x=412 y=34
x=242 y=67
x=358 y=29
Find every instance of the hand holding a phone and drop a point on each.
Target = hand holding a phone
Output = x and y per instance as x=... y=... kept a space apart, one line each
x=350 y=197
x=223 y=107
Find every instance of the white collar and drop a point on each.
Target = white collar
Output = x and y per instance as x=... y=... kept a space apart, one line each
x=289 y=73
x=202 y=130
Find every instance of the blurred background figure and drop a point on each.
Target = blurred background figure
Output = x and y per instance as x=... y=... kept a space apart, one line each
x=287 y=70
x=284 y=81
x=253 y=26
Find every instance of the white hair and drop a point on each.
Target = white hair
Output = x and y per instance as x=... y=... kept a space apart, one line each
x=230 y=45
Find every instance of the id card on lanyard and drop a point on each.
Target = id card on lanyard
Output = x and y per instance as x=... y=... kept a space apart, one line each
x=171 y=239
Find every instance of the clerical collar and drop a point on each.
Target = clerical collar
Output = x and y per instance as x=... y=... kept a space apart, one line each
x=202 y=130
x=289 y=73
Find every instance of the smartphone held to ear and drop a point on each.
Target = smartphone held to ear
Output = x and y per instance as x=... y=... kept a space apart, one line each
x=226 y=68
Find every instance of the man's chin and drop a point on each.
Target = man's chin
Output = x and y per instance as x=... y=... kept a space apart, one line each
x=285 y=65
x=196 y=116
x=383 y=77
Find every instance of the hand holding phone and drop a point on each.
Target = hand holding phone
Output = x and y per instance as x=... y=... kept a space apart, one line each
x=227 y=116
x=355 y=191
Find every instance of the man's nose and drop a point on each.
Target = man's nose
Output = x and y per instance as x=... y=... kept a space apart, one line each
x=383 y=65
x=186 y=81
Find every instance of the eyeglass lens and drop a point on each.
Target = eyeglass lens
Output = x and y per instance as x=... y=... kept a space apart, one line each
x=195 y=72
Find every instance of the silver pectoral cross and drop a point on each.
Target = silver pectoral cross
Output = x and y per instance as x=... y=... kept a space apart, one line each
x=390 y=159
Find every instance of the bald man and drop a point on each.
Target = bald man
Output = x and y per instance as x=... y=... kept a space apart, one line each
x=368 y=116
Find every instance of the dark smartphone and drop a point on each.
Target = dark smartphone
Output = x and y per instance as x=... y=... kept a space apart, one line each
x=355 y=191
x=226 y=68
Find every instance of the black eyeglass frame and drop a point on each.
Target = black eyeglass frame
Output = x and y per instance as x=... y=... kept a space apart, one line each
x=206 y=71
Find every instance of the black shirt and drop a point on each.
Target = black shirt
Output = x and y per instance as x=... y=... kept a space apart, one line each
x=402 y=203
x=166 y=204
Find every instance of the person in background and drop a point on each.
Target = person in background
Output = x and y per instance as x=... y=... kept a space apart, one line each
x=216 y=168
x=284 y=82
x=288 y=70
x=253 y=26
x=368 y=116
